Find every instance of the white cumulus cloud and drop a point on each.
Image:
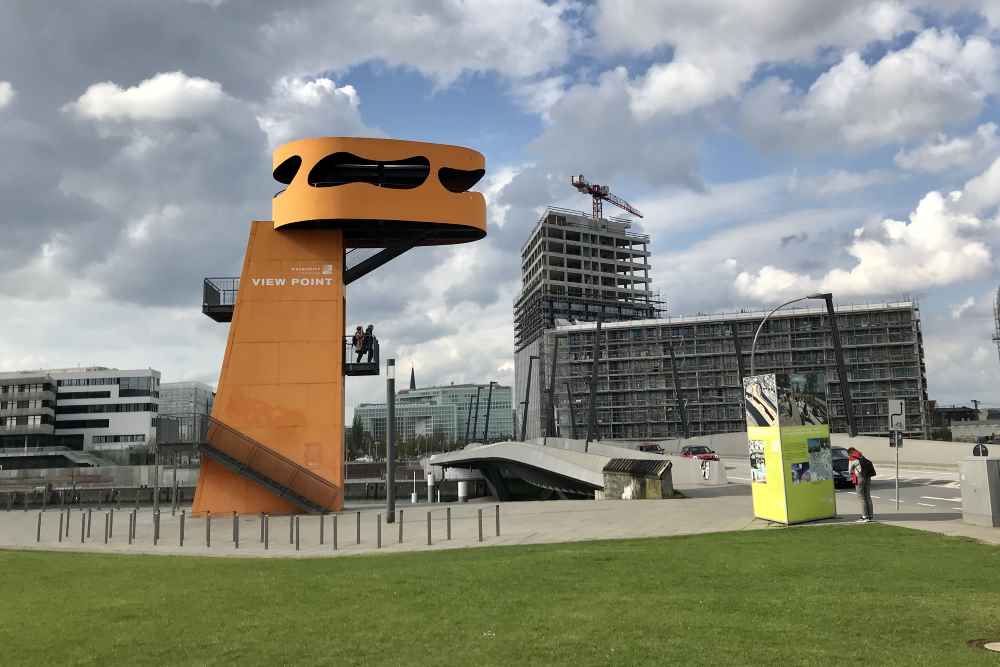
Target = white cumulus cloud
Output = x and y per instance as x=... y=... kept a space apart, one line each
x=6 y=93
x=943 y=152
x=945 y=241
x=718 y=45
x=938 y=80
x=301 y=108
x=165 y=96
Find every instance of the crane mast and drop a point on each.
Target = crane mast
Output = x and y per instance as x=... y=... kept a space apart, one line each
x=601 y=194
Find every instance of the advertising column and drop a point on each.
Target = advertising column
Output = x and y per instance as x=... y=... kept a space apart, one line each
x=788 y=434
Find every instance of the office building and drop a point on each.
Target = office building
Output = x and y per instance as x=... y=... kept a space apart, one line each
x=95 y=409
x=184 y=411
x=579 y=269
x=447 y=412
x=637 y=391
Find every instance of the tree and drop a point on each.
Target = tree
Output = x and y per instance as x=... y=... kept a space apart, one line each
x=359 y=437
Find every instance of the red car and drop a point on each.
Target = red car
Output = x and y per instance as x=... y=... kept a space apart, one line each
x=699 y=452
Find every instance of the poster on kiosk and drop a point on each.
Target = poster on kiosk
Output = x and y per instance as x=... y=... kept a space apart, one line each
x=788 y=434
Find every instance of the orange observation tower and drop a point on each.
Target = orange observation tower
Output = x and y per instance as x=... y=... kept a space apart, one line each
x=275 y=441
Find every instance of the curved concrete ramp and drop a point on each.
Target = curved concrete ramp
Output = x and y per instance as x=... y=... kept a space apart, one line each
x=509 y=466
x=560 y=468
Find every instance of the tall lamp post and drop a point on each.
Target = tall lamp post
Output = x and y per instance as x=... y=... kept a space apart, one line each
x=390 y=440
x=845 y=391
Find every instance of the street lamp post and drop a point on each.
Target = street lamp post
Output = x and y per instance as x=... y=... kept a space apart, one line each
x=390 y=440
x=845 y=391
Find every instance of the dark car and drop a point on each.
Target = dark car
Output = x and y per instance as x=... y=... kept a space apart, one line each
x=699 y=452
x=841 y=468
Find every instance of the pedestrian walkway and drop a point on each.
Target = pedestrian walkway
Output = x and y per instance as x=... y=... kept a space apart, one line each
x=424 y=527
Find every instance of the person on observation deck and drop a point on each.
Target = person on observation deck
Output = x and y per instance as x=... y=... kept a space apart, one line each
x=358 y=341
x=368 y=344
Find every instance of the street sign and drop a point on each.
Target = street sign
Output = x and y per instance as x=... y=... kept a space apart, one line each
x=897 y=415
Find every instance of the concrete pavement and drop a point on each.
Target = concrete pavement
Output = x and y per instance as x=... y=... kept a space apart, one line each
x=930 y=500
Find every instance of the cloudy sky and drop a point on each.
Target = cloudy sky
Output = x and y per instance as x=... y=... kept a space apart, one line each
x=775 y=147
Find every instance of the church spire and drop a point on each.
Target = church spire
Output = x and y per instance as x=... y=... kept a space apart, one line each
x=413 y=379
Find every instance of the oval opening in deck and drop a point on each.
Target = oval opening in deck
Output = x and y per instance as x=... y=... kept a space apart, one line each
x=343 y=168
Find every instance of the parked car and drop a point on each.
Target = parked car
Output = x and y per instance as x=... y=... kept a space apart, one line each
x=699 y=452
x=652 y=449
x=841 y=468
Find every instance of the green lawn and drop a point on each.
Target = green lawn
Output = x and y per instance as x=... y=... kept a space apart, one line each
x=809 y=595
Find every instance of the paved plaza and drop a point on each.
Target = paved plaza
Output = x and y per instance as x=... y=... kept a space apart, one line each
x=928 y=503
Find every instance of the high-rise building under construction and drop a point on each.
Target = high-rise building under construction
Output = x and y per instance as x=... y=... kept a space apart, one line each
x=575 y=268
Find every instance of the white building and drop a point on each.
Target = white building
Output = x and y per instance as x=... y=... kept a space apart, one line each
x=93 y=409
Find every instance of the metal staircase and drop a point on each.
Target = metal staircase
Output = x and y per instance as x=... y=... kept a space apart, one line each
x=258 y=462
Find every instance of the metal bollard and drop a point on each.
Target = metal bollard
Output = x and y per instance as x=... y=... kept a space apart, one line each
x=261 y=527
x=60 y=526
x=156 y=527
x=334 y=532
x=38 y=531
x=208 y=530
x=498 y=520
x=106 y=527
x=68 y=510
x=400 y=526
x=131 y=527
x=234 y=526
x=322 y=526
x=428 y=529
x=236 y=530
x=449 y=522
x=181 y=534
x=479 y=513
x=296 y=532
x=359 y=527
x=291 y=528
x=111 y=524
x=267 y=528
x=83 y=526
x=378 y=526
x=90 y=511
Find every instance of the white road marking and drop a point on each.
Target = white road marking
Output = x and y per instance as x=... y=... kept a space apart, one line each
x=876 y=498
x=742 y=479
x=950 y=500
x=926 y=505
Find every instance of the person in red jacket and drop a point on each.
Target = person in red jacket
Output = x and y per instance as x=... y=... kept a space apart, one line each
x=862 y=484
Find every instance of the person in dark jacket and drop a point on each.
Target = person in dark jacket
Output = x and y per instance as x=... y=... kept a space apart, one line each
x=862 y=484
x=369 y=342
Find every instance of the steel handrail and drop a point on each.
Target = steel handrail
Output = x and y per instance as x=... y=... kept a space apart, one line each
x=257 y=447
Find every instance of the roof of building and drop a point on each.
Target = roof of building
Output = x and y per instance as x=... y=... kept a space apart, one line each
x=744 y=315
x=643 y=467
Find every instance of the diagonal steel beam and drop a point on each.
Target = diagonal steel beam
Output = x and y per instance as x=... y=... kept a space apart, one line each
x=366 y=266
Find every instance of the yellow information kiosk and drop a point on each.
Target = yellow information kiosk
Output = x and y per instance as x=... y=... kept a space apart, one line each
x=788 y=434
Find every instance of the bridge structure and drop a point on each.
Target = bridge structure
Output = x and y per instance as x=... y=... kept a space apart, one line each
x=275 y=442
x=564 y=468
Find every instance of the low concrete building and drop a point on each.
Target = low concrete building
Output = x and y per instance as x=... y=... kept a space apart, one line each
x=636 y=479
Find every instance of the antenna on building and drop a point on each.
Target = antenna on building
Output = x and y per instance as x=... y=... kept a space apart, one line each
x=413 y=379
x=996 y=321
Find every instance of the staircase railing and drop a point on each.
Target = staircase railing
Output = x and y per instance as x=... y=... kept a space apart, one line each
x=272 y=466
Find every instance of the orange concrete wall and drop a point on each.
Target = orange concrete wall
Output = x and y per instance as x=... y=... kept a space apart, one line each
x=282 y=380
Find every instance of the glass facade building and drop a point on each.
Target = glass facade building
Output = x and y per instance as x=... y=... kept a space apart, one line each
x=449 y=411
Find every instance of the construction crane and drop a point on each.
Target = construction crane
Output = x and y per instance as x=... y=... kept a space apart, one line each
x=602 y=193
